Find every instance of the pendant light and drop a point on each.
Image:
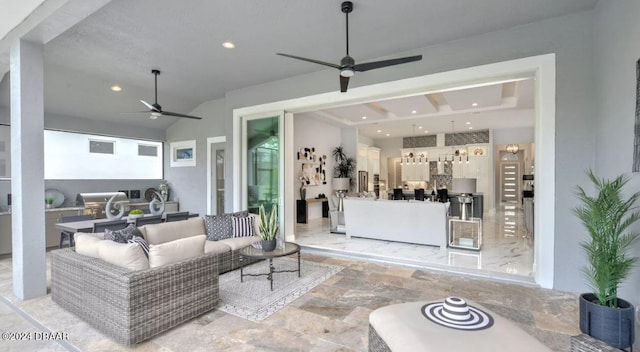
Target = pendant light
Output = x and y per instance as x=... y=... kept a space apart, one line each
x=513 y=148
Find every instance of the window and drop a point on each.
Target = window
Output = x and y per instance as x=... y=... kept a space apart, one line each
x=102 y=147
x=147 y=150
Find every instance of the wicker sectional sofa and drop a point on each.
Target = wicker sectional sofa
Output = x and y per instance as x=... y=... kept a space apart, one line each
x=131 y=306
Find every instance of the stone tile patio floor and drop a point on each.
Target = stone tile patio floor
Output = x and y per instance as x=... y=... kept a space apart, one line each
x=331 y=317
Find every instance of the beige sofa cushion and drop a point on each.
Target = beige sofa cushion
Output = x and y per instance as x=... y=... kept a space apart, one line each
x=175 y=251
x=126 y=255
x=87 y=243
x=240 y=242
x=171 y=231
x=216 y=247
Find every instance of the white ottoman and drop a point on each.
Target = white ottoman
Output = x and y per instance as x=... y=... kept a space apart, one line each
x=403 y=327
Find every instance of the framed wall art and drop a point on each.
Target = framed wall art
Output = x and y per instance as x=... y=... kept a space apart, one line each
x=183 y=153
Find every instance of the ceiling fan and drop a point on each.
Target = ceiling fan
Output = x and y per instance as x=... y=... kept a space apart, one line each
x=347 y=65
x=156 y=110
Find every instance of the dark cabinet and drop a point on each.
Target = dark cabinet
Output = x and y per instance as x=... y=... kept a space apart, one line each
x=302 y=209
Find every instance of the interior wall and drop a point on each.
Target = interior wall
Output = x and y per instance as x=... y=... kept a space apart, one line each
x=617 y=49
x=310 y=132
x=514 y=135
x=389 y=148
x=569 y=37
x=189 y=184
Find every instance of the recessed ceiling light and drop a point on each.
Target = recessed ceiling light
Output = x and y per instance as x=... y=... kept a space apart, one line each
x=426 y=131
x=470 y=128
x=364 y=117
x=474 y=104
x=419 y=127
x=388 y=135
x=413 y=111
x=116 y=88
x=468 y=123
x=228 y=45
x=379 y=131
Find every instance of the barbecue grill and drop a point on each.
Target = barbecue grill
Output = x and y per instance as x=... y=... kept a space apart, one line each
x=95 y=203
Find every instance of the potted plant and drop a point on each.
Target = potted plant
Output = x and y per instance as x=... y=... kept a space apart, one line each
x=269 y=227
x=136 y=213
x=48 y=201
x=607 y=217
x=342 y=174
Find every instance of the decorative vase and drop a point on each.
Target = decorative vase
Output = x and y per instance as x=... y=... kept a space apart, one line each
x=268 y=245
x=303 y=192
x=614 y=326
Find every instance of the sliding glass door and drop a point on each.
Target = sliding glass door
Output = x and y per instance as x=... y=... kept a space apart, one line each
x=263 y=162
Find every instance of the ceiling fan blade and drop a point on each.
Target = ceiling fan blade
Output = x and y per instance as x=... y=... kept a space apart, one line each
x=310 y=60
x=151 y=107
x=344 y=82
x=385 y=63
x=169 y=113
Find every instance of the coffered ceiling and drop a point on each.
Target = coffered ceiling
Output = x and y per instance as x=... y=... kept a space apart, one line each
x=123 y=40
x=493 y=106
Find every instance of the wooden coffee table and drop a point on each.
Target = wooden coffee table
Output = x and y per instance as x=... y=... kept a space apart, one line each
x=258 y=253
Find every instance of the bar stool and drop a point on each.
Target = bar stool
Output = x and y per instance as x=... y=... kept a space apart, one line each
x=419 y=194
x=184 y=215
x=397 y=194
x=68 y=236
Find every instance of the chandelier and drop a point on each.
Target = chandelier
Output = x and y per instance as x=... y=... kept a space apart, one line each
x=513 y=148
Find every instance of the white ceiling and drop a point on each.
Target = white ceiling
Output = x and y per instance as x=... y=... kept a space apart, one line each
x=121 y=42
x=495 y=106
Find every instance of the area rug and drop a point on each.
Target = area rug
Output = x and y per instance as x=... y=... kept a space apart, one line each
x=253 y=298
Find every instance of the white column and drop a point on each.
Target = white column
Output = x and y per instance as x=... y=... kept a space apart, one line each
x=27 y=170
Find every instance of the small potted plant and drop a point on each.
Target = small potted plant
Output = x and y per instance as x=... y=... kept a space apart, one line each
x=48 y=201
x=607 y=217
x=342 y=174
x=268 y=227
x=136 y=213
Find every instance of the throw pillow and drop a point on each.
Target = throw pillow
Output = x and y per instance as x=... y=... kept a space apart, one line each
x=241 y=214
x=175 y=251
x=218 y=227
x=142 y=243
x=242 y=227
x=87 y=243
x=122 y=236
x=126 y=255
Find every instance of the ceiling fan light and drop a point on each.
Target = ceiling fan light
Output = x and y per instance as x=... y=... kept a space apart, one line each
x=346 y=72
x=154 y=115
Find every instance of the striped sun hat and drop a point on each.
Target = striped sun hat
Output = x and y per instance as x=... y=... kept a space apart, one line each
x=455 y=313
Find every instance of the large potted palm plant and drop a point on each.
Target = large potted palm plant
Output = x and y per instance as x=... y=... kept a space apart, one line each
x=607 y=217
x=342 y=173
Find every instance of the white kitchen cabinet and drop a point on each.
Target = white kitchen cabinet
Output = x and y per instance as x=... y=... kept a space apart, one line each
x=361 y=160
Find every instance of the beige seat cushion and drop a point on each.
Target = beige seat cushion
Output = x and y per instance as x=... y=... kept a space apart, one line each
x=126 y=255
x=240 y=242
x=216 y=247
x=403 y=327
x=171 y=231
x=175 y=251
x=87 y=243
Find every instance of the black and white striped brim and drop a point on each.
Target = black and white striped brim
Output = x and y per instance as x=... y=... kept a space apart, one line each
x=455 y=313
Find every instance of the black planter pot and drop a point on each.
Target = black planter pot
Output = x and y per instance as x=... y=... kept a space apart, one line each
x=268 y=245
x=614 y=326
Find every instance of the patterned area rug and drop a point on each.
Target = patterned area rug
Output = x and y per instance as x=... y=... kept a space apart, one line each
x=253 y=298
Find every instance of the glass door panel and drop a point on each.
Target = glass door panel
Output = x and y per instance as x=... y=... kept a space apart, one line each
x=263 y=162
x=219 y=181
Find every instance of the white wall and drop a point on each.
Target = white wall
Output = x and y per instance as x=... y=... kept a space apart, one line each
x=616 y=49
x=570 y=37
x=514 y=135
x=310 y=132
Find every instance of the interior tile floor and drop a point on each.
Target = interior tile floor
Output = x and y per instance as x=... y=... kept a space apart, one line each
x=331 y=317
x=506 y=252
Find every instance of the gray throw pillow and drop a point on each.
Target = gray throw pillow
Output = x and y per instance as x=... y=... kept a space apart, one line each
x=218 y=227
x=122 y=236
x=241 y=214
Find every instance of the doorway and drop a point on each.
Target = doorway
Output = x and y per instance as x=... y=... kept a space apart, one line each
x=216 y=164
x=541 y=67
